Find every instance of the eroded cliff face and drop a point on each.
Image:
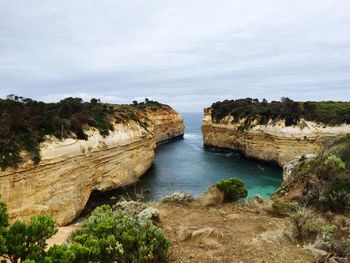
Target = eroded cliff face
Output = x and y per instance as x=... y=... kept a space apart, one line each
x=273 y=142
x=71 y=169
x=167 y=124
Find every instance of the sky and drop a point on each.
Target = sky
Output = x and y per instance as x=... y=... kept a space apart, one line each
x=185 y=53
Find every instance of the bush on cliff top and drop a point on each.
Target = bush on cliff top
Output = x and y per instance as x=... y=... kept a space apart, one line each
x=24 y=123
x=106 y=236
x=327 y=112
x=325 y=180
x=233 y=189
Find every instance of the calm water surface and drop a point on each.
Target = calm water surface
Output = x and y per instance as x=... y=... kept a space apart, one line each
x=185 y=166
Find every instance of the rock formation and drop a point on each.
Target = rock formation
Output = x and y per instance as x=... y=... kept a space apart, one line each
x=167 y=126
x=70 y=170
x=274 y=142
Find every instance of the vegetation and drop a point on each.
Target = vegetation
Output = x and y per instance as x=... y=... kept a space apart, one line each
x=261 y=112
x=21 y=241
x=321 y=214
x=233 y=189
x=106 y=236
x=24 y=123
x=109 y=236
x=308 y=225
x=330 y=187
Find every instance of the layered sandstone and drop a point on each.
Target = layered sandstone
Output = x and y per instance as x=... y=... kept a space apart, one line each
x=167 y=124
x=273 y=142
x=70 y=170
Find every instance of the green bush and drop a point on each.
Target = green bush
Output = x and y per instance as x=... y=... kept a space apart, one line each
x=109 y=236
x=106 y=236
x=233 y=189
x=306 y=224
x=330 y=190
x=335 y=195
x=24 y=242
x=330 y=167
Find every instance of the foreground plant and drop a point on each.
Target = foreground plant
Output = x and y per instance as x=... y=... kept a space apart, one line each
x=233 y=189
x=106 y=236
x=20 y=241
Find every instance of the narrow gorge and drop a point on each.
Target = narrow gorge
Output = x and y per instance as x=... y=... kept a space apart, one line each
x=71 y=169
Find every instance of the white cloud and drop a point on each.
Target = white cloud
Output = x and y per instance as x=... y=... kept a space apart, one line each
x=184 y=53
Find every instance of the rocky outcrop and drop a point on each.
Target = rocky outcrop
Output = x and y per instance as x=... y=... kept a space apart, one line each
x=72 y=169
x=167 y=124
x=273 y=142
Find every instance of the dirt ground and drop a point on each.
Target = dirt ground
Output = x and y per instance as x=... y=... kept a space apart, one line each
x=226 y=234
x=230 y=234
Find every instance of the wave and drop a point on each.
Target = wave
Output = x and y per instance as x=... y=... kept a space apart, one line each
x=193 y=136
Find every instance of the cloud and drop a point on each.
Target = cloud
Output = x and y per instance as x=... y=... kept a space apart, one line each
x=185 y=53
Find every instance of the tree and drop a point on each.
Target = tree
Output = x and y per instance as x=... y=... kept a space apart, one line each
x=232 y=188
x=3 y=226
x=20 y=241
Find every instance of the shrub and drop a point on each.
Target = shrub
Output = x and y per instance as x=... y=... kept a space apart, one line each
x=335 y=195
x=233 y=189
x=24 y=242
x=149 y=213
x=331 y=166
x=346 y=244
x=108 y=236
x=306 y=224
x=178 y=198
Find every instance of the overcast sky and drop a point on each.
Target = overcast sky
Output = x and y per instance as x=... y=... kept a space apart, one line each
x=186 y=53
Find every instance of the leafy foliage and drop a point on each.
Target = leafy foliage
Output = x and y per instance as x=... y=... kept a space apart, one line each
x=325 y=180
x=330 y=189
x=327 y=112
x=20 y=241
x=24 y=123
x=341 y=148
x=109 y=236
x=106 y=236
x=233 y=189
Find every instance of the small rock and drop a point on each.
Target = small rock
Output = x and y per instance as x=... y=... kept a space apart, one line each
x=259 y=199
x=183 y=234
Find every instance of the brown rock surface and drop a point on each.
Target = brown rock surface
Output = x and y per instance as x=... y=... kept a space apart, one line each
x=273 y=142
x=168 y=124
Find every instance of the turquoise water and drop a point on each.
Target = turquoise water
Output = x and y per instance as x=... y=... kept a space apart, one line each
x=185 y=166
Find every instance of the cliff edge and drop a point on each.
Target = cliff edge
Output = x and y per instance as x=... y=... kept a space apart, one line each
x=71 y=169
x=273 y=141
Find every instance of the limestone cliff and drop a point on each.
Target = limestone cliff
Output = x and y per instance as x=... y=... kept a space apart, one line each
x=273 y=142
x=71 y=169
x=167 y=124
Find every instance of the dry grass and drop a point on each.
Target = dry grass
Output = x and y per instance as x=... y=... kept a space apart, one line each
x=213 y=197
